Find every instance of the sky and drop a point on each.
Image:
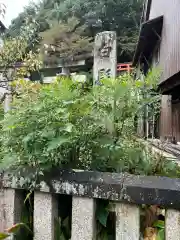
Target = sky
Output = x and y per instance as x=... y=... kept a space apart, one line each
x=14 y=7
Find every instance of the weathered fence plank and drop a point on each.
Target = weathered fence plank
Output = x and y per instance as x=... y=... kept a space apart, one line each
x=172 y=225
x=113 y=186
x=127 y=222
x=83 y=218
x=45 y=212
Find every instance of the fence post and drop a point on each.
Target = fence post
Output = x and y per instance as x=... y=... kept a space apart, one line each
x=172 y=225
x=83 y=218
x=13 y=204
x=105 y=56
x=127 y=222
x=45 y=212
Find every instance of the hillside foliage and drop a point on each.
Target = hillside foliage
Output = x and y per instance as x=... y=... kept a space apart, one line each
x=121 y=16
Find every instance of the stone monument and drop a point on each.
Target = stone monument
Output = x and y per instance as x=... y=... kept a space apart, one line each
x=105 y=56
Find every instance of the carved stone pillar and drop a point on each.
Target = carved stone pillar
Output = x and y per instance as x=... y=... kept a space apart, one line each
x=105 y=56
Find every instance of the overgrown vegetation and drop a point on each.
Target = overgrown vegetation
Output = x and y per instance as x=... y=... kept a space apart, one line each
x=64 y=125
x=72 y=125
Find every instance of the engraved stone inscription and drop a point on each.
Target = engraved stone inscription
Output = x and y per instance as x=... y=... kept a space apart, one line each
x=105 y=56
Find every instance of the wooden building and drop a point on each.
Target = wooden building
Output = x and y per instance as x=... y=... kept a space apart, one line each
x=159 y=45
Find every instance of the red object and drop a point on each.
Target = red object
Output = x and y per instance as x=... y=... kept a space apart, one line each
x=127 y=67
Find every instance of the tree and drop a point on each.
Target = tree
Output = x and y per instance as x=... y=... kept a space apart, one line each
x=27 y=15
x=121 y=16
x=65 y=42
x=16 y=61
x=114 y=15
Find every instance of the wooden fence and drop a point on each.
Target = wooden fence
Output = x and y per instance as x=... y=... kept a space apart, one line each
x=127 y=192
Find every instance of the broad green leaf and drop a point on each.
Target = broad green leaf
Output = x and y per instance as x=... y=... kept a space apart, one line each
x=25 y=226
x=7 y=162
x=27 y=138
x=56 y=142
x=28 y=196
x=102 y=215
x=161 y=235
x=109 y=125
x=61 y=110
x=3 y=236
x=17 y=226
x=103 y=235
x=48 y=134
x=66 y=223
x=66 y=227
x=57 y=228
x=159 y=224
x=69 y=127
x=62 y=237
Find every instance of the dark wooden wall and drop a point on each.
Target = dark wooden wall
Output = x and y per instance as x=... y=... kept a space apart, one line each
x=166 y=117
x=170 y=42
x=176 y=121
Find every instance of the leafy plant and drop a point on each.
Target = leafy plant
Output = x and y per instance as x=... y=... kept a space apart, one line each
x=63 y=125
x=160 y=225
x=17 y=60
x=14 y=230
x=3 y=236
x=103 y=212
x=62 y=229
x=104 y=221
x=16 y=55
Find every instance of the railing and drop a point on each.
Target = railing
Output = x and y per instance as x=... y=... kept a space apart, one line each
x=124 y=67
x=127 y=192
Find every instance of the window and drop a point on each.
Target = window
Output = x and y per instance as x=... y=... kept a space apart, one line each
x=156 y=55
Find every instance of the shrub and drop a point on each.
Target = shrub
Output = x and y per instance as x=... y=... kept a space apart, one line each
x=63 y=125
